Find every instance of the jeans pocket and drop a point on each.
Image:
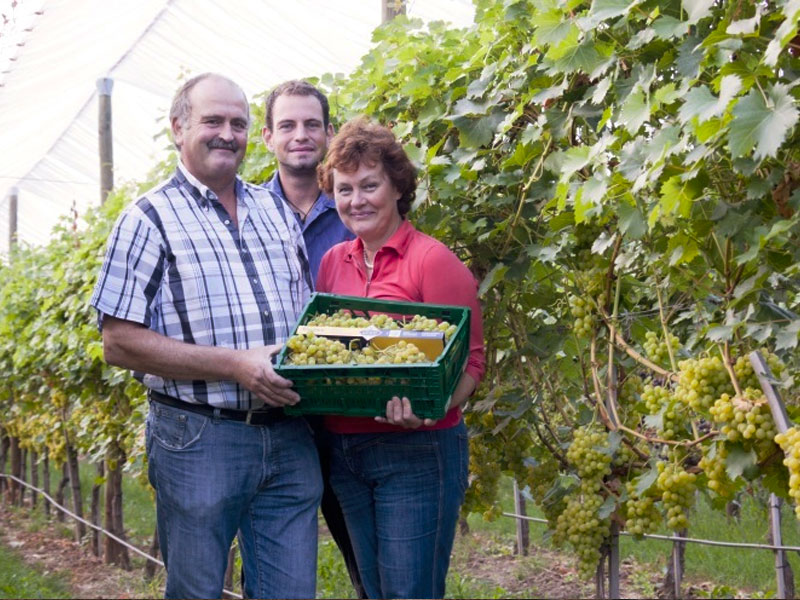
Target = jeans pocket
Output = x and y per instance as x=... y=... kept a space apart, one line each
x=176 y=429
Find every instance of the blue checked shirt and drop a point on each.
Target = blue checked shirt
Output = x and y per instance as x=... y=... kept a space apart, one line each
x=177 y=264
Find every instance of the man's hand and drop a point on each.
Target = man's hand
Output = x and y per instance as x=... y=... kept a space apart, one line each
x=398 y=412
x=254 y=371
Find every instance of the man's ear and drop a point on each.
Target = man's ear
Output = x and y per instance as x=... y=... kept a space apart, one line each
x=177 y=131
x=330 y=133
x=266 y=135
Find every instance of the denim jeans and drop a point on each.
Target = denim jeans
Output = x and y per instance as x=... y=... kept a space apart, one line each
x=214 y=477
x=401 y=494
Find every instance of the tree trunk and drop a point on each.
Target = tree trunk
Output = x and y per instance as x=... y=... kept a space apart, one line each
x=75 y=484
x=96 y=497
x=46 y=478
x=34 y=477
x=150 y=566
x=4 y=445
x=16 y=471
x=23 y=468
x=60 y=493
x=114 y=522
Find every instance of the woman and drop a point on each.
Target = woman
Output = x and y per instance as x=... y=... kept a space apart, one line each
x=400 y=479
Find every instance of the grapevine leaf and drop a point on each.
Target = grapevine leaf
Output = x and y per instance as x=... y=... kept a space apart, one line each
x=492 y=278
x=631 y=222
x=646 y=481
x=635 y=111
x=776 y=479
x=739 y=461
x=786 y=338
x=607 y=507
x=475 y=133
x=762 y=122
x=703 y=105
x=697 y=9
x=720 y=333
x=745 y=26
x=607 y=9
x=667 y=27
x=552 y=28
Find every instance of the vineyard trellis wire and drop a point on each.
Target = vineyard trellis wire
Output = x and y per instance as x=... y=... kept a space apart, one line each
x=105 y=532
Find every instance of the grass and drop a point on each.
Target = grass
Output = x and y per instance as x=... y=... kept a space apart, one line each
x=19 y=580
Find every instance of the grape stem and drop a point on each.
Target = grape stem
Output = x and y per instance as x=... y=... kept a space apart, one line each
x=598 y=402
x=725 y=350
x=641 y=359
x=664 y=329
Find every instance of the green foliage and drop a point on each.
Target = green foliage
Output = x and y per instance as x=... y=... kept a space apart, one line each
x=635 y=162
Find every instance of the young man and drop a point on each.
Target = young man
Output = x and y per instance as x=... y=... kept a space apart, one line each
x=297 y=132
x=203 y=279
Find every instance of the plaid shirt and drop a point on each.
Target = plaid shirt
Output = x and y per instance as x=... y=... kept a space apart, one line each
x=177 y=264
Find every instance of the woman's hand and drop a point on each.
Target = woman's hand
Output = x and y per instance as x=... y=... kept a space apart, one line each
x=398 y=412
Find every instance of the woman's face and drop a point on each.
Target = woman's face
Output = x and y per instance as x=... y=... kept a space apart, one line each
x=366 y=201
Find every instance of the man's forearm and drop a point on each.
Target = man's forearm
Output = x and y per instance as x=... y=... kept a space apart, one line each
x=135 y=347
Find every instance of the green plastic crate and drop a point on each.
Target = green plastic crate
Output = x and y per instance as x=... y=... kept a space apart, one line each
x=363 y=390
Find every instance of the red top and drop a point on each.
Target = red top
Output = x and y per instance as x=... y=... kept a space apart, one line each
x=410 y=267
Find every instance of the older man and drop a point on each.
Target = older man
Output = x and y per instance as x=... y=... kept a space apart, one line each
x=204 y=277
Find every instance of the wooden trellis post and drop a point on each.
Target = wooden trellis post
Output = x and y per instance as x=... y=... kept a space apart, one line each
x=783 y=571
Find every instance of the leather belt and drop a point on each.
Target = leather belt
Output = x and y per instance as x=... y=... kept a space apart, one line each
x=261 y=416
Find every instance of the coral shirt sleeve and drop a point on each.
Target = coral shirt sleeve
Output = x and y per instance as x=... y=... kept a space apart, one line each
x=446 y=280
x=323 y=275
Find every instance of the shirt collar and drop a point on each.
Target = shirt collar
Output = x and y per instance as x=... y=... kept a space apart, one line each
x=276 y=186
x=399 y=241
x=202 y=193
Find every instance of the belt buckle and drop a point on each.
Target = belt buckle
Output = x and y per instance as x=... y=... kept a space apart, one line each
x=248 y=417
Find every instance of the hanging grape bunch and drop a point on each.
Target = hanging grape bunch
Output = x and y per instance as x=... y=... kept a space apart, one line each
x=656 y=348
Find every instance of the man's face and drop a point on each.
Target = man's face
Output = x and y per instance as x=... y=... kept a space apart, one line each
x=298 y=137
x=213 y=140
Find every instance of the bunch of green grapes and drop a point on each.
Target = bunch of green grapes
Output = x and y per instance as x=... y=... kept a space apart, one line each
x=701 y=381
x=656 y=348
x=341 y=318
x=631 y=390
x=485 y=452
x=582 y=311
x=713 y=464
x=581 y=526
x=677 y=487
x=308 y=349
x=641 y=512
x=674 y=420
x=747 y=418
x=397 y=354
x=589 y=452
x=420 y=323
x=789 y=441
x=743 y=369
x=655 y=398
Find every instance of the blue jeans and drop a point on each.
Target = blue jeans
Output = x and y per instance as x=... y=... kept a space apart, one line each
x=214 y=477
x=401 y=494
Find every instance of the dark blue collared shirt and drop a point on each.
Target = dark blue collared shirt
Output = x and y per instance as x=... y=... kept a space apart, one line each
x=322 y=228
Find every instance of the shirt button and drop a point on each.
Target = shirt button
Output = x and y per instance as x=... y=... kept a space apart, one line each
x=227 y=221
x=255 y=280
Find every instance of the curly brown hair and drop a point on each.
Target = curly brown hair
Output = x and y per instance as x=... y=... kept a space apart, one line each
x=361 y=141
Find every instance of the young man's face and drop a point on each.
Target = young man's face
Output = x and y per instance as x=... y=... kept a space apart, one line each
x=213 y=140
x=298 y=137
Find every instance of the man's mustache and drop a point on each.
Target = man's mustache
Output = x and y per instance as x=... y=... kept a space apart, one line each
x=223 y=145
